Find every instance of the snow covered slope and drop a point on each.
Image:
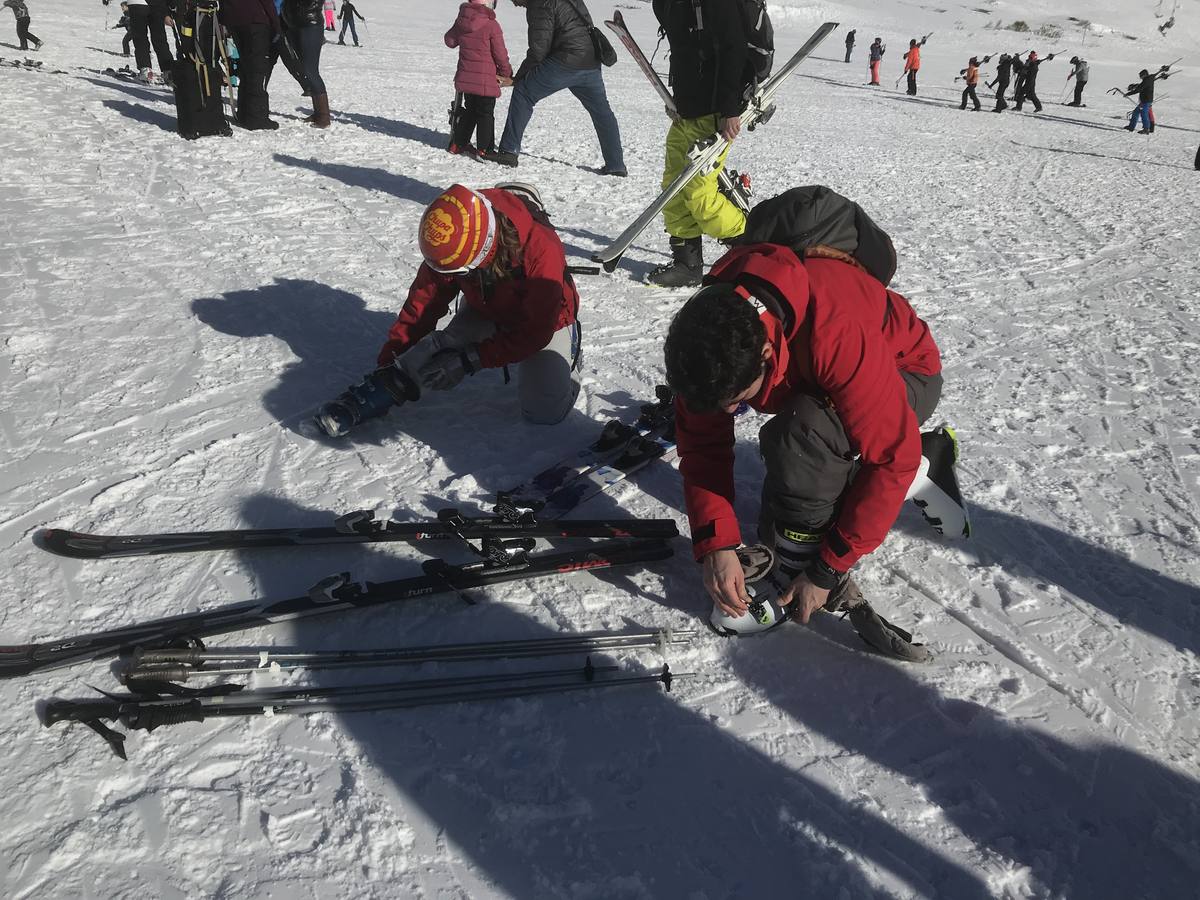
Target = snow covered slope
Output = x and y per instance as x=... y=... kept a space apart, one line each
x=172 y=311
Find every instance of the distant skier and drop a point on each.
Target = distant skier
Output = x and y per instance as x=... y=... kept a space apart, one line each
x=123 y=23
x=850 y=43
x=1145 y=105
x=1028 y=90
x=328 y=8
x=708 y=82
x=875 y=56
x=912 y=64
x=483 y=66
x=519 y=307
x=1018 y=71
x=1004 y=67
x=848 y=371
x=971 y=76
x=1080 y=73
x=24 y=35
x=347 y=14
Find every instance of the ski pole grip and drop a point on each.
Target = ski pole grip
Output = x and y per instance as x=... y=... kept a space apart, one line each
x=151 y=717
x=156 y=673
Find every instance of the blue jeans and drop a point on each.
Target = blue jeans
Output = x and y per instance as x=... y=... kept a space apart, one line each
x=307 y=41
x=587 y=85
x=1142 y=110
x=348 y=22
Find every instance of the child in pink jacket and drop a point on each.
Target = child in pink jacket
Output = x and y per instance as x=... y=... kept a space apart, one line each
x=482 y=67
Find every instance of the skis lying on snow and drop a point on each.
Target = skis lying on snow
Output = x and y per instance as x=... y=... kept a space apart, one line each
x=619 y=452
x=731 y=184
x=186 y=663
x=152 y=710
x=360 y=527
x=705 y=153
x=333 y=594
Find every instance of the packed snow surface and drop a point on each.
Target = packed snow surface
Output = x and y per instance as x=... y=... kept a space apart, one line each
x=171 y=313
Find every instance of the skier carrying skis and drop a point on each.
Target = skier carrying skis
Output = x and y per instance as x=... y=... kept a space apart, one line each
x=253 y=24
x=347 y=14
x=912 y=64
x=561 y=55
x=1080 y=73
x=482 y=67
x=1145 y=105
x=497 y=248
x=1018 y=71
x=848 y=371
x=1028 y=81
x=24 y=35
x=1004 y=68
x=875 y=58
x=971 y=76
x=709 y=60
x=850 y=42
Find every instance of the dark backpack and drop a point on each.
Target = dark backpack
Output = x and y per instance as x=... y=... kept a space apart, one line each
x=760 y=38
x=812 y=216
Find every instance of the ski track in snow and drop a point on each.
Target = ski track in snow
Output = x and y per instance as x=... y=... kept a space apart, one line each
x=171 y=313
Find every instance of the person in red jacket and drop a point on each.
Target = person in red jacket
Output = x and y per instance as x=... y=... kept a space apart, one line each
x=497 y=250
x=848 y=371
x=482 y=67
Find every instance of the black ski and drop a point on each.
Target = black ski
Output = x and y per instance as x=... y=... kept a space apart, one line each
x=359 y=527
x=332 y=594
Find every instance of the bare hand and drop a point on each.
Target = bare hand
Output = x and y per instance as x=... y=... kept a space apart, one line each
x=809 y=598
x=729 y=128
x=725 y=582
x=504 y=80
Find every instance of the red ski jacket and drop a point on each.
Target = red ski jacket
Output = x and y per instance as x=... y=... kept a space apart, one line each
x=850 y=339
x=528 y=308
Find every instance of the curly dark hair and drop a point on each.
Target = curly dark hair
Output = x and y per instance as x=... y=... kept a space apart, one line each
x=714 y=348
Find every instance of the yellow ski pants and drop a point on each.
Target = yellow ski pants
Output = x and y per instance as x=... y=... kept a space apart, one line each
x=699 y=208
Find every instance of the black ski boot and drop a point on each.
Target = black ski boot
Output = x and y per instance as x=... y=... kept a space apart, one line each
x=373 y=397
x=685 y=269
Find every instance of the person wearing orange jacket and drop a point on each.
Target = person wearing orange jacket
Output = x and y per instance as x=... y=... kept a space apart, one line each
x=971 y=76
x=496 y=249
x=912 y=63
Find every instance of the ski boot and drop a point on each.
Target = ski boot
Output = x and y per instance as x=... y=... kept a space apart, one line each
x=935 y=489
x=764 y=612
x=686 y=268
x=373 y=397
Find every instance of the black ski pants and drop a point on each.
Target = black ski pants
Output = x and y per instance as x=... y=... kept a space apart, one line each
x=970 y=92
x=912 y=83
x=476 y=114
x=1030 y=95
x=1079 y=86
x=126 y=41
x=24 y=35
x=1001 y=104
x=849 y=50
x=148 y=26
x=254 y=60
x=810 y=461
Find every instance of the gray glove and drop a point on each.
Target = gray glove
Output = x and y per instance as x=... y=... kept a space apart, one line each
x=446 y=368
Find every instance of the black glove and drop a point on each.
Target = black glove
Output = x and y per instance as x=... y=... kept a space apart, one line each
x=446 y=368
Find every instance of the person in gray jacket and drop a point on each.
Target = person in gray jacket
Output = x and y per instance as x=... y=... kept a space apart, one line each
x=24 y=35
x=560 y=56
x=1080 y=74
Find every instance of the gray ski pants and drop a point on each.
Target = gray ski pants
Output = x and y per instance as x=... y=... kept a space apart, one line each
x=547 y=382
x=810 y=462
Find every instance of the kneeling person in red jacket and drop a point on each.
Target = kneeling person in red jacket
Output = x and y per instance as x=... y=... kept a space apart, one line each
x=848 y=372
x=497 y=249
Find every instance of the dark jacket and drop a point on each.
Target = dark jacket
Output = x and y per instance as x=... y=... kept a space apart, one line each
x=241 y=13
x=348 y=11
x=297 y=13
x=877 y=51
x=559 y=30
x=849 y=340
x=708 y=70
x=20 y=10
x=1031 y=72
x=850 y=38
x=1003 y=70
x=1146 y=89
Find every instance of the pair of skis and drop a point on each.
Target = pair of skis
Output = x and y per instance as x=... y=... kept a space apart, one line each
x=705 y=153
x=506 y=549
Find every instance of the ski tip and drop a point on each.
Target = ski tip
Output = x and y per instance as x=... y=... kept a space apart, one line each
x=61 y=542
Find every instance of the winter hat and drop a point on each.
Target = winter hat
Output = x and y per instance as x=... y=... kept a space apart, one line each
x=1033 y=54
x=1074 y=60
x=1143 y=73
